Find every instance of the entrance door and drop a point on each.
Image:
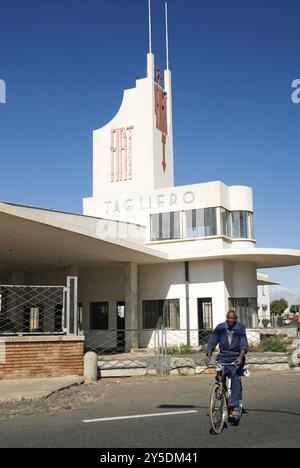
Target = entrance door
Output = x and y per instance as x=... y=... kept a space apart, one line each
x=121 y=326
x=205 y=319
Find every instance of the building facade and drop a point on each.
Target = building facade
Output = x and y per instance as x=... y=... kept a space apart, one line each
x=145 y=253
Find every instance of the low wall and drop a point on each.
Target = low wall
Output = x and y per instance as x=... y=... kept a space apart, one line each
x=25 y=357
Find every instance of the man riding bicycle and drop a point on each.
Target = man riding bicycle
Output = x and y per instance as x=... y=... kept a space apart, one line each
x=232 y=340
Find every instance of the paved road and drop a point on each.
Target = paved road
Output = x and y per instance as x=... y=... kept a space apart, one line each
x=272 y=402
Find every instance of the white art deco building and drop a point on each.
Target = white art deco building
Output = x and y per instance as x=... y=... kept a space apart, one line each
x=144 y=251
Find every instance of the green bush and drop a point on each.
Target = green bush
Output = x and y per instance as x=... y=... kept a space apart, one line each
x=182 y=349
x=280 y=321
x=265 y=323
x=185 y=349
x=173 y=350
x=273 y=344
x=278 y=307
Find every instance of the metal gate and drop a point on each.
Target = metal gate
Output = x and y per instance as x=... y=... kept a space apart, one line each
x=39 y=310
x=160 y=350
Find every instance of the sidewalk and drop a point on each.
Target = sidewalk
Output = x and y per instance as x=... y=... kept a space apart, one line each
x=35 y=389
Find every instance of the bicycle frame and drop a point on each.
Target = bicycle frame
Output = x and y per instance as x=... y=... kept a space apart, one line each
x=220 y=366
x=220 y=398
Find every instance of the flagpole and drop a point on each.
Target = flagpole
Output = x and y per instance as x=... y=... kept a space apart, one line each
x=167 y=35
x=150 y=28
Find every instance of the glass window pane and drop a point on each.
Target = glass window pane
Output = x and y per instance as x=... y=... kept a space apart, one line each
x=201 y=222
x=210 y=221
x=166 y=225
x=199 y=228
x=99 y=316
x=155 y=227
x=246 y=309
x=225 y=222
x=242 y=225
x=251 y=225
x=176 y=225
x=236 y=232
x=152 y=313
x=189 y=223
x=158 y=312
x=208 y=317
x=172 y=314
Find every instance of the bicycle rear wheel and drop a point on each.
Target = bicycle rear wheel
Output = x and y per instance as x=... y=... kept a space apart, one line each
x=217 y=409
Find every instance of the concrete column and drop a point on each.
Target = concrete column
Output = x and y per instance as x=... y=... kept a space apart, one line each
x=131 y=306
x=72 y=307
x=72 y=271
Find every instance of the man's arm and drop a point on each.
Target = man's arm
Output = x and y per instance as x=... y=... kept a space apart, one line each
x=244 y=347
x=241 y=357
x=212 y=343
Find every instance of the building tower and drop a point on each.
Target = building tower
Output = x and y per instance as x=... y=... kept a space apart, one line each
x=134 y=151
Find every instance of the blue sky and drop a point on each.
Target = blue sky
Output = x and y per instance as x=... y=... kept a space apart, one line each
x=66 y=63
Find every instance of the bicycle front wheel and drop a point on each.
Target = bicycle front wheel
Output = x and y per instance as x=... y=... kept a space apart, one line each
x=217 y=409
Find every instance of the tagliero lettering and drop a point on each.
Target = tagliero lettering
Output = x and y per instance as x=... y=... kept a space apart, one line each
x=296 y=93
x=144 y=203
x=2 y=92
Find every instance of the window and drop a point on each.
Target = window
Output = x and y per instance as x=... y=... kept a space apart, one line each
x=205 y=314
x=99 y=316
x=225 y=222
x=247 y=310
x=201 y=223
x=242 y=225
x=166 y=312
x=165 y=226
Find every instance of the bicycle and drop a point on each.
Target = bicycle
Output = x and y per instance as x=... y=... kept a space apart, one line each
x=219 y=401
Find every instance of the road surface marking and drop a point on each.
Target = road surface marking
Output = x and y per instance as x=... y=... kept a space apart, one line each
x=138 y=416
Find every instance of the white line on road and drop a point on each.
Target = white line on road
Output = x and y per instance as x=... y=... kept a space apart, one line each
x=138 y=416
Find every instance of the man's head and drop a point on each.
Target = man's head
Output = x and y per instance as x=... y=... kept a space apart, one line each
x=232 y=318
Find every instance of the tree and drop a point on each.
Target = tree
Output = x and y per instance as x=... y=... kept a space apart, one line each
x=295 y=309
x=278 y=307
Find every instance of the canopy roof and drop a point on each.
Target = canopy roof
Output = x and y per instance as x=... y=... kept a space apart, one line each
x=34 y=239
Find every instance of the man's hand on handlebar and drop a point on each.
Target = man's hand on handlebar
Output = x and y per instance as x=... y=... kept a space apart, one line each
x=239 y=362
x=240 y=359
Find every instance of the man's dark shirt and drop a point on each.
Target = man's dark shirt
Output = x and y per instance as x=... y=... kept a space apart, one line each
x=228 y=351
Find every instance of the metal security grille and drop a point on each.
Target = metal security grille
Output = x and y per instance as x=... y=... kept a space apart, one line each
x=147 y=350
x=167 y=351
x=32 y=310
